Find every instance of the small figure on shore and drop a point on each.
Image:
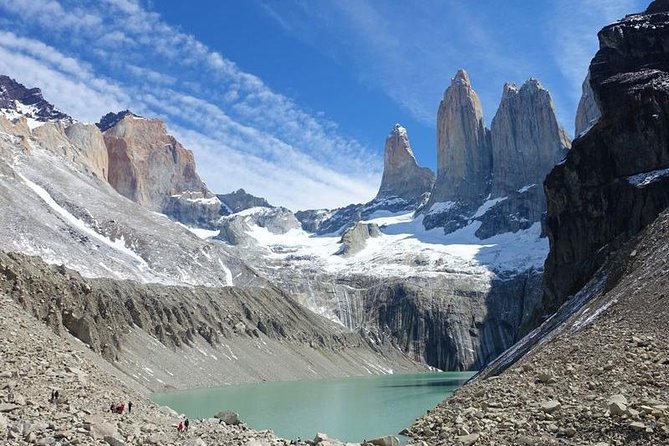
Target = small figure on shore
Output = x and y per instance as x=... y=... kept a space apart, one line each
x=129 y=407
x=186 y=424
x=180 y=426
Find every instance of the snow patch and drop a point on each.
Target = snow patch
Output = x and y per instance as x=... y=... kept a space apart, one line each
x=646 y=178
x=118 y=244
x=485 y=207
x=441 y=207
x=200 y=232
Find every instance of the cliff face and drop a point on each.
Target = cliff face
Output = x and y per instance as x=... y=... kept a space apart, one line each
x=588 y=111
x=615 y=180
x=402 y=177
x=479 y=168
x=464 y=157
x=146 y=164
x=527 y=141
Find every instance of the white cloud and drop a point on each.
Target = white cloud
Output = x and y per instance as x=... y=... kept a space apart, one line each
x=243 y=134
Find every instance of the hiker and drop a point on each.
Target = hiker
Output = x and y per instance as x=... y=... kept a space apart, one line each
x=53 y=396
x=180 y=426
x=186 y=424
x=121 y=408
x=56 y=395
x=129 y=407
x=112 y=408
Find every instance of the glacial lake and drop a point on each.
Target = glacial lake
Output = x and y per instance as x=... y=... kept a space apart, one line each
x=350 y=409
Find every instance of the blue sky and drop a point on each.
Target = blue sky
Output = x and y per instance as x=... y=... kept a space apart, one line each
x=293 y=99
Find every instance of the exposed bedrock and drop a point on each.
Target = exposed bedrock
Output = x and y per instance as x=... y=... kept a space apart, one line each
x=464 y=155
x=458 y=322
x=402 y=177
x=615 y=180
x=122 y=320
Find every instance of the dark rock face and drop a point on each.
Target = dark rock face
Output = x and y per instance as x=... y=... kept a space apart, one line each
x=615 y=181
x=402 y=177
x=322 y=221
x=11 y=91
x=239 y=201
x=519 y=211
x=454 y=330
x=111 y=119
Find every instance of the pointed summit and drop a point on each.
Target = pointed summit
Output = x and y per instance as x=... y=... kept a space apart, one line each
x=463 y=145
x=526 y=139
x=402 y=177
x=461 y=77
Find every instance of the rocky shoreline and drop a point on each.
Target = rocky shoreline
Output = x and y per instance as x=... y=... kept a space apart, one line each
x=34 y=362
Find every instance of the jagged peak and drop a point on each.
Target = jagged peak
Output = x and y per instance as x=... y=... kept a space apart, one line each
x=398 y=129
x=111 y=119
x=28 y=102
x=532 y=84
x=462 y=77
x=658 y=6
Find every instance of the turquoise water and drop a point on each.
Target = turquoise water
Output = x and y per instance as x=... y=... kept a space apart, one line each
x=350 y=409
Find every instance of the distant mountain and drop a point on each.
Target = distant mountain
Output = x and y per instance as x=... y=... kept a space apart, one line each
x=16 y=99
x=402 y=177
x=502 y=168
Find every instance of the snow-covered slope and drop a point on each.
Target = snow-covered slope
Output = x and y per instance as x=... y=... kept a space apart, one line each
x=452 y=300
x=54 y=208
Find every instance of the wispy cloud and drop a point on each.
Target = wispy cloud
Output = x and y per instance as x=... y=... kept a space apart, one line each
x=409 y=50
x=243 y=133
x=573 y=27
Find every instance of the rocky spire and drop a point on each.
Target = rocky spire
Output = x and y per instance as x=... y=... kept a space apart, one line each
x=527 y=141
x=146 y=164
x=402 y=177
x=588 y=111
x=464 y=156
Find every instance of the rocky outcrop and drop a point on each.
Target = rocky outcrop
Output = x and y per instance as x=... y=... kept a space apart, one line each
x=198 y=209
x=527 y=141
x=234 y=229
x=464 y=156
x=615 y=180
x=91 y=144
x=520 y=210
x=28 y=102
x=240 y=200
x=354 y=239
x=146 y=164
x=588 y=112
x=402 y=177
